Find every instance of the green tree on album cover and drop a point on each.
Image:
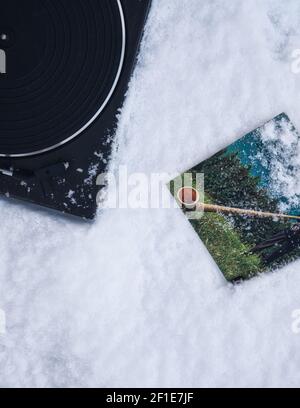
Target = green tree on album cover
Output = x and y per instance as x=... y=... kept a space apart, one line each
x=250 y=221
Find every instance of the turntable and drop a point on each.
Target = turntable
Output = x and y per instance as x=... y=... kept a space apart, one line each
x=64 y=70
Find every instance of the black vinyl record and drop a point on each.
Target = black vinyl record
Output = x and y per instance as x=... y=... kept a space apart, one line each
x=65 y=67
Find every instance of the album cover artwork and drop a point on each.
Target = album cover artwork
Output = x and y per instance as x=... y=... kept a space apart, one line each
x=244 y=202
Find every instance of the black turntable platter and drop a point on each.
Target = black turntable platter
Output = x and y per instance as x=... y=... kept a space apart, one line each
x=65 y=66
x=63 y=61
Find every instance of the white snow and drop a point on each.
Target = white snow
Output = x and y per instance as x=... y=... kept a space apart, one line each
x=135 y=299
x=283 y=151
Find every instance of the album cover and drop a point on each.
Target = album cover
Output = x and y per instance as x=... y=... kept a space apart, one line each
x=244 y=202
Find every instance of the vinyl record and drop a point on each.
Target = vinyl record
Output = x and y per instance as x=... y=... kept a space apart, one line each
x=63 y=63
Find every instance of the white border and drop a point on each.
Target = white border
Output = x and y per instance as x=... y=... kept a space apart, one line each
x=102 y=106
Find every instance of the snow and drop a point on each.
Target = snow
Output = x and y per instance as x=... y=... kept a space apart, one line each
x=135 y=299
x=282 y=147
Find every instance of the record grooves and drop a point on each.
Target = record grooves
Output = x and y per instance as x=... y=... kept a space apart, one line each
x=67 y=68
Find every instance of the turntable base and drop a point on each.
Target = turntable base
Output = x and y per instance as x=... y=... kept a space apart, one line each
x=67 y=67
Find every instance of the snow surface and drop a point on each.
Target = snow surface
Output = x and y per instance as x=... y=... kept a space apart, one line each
x=135 y=299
